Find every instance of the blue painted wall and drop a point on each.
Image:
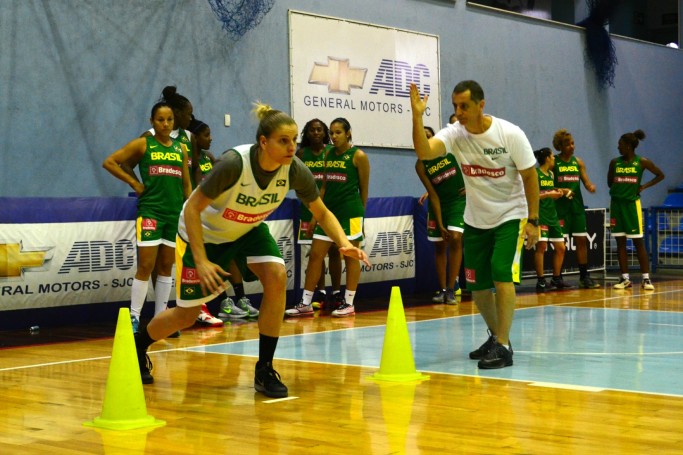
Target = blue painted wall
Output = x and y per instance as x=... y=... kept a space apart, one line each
x=78 y=79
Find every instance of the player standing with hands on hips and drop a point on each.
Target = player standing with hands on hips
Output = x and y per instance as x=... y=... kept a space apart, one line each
x=501 y=183
x=624 y=179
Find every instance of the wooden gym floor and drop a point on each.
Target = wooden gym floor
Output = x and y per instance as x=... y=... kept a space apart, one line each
x=595 y=371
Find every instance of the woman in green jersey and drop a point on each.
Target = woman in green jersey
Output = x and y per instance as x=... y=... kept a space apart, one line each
x=202 y=133
x=626 y=215
x=442 y=178
x=163 y=167
x=347 y=176
x=182 y=115
x=315 y=143
x=570 y=172
x=551 y=231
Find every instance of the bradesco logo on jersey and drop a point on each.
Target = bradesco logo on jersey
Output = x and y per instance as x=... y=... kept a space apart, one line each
x=625 y=179
x=271 y=199
x=392 y=79
x=189 y=276
x=472 y=170
x=164 y=169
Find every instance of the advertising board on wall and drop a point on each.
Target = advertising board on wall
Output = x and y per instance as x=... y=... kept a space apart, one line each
x=46 y=265
x=362 y=72
x=390 y=246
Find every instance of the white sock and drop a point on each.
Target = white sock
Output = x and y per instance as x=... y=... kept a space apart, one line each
x=625 y=276
x=348 y=296
x=646 y=276
x=138 y=294
x=307 y=297
x=162 y=291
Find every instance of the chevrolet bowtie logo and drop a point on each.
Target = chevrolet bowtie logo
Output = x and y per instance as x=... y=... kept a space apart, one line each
x=337 y=75
x=13 y=260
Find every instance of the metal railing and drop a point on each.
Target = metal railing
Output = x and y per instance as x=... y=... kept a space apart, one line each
x=663 y=238
x=666 y=245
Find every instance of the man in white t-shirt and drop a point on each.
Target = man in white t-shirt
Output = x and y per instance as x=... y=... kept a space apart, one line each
x=498 y=167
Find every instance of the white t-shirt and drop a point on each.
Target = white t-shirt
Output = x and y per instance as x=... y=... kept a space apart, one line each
x=490 y=164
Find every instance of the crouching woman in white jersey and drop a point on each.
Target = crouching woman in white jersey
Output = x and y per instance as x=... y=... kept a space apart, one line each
x=223 y=221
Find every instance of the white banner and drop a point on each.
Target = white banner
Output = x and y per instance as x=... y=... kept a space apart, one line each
x=390 y=246
x=362 y=72
x=58 y=264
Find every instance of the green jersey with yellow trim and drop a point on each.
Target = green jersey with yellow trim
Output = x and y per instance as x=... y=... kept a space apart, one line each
x=547 y=214
x=205 y=166
x=568 y=175
x=161 y=170
x=316 y=164
x=446 y=178
x=342 y=187
x=627 y=177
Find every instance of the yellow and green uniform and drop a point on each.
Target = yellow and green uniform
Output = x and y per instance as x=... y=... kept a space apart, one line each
x=342 y=194
x=626 y=215
x=446 y=178
x=159 y=205
x=570 y=212
x=184 y=138
x=205 y=166
x=547 y=213
x=316 y=164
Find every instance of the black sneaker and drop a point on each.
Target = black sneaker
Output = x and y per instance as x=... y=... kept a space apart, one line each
x=337 y=301
x=588 y=283
x=144 y=363
x=498 y=357
x=267 y=381
x=146 y=367
x=558 y=283
x=541 y=285
x=484 y=348
x=439 y=296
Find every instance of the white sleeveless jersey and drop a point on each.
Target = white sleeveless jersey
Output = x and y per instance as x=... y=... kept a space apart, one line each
x=243 y=206
x=490 y=164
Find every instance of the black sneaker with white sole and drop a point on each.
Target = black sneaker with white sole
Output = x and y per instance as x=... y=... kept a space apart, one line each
x=267 y=381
